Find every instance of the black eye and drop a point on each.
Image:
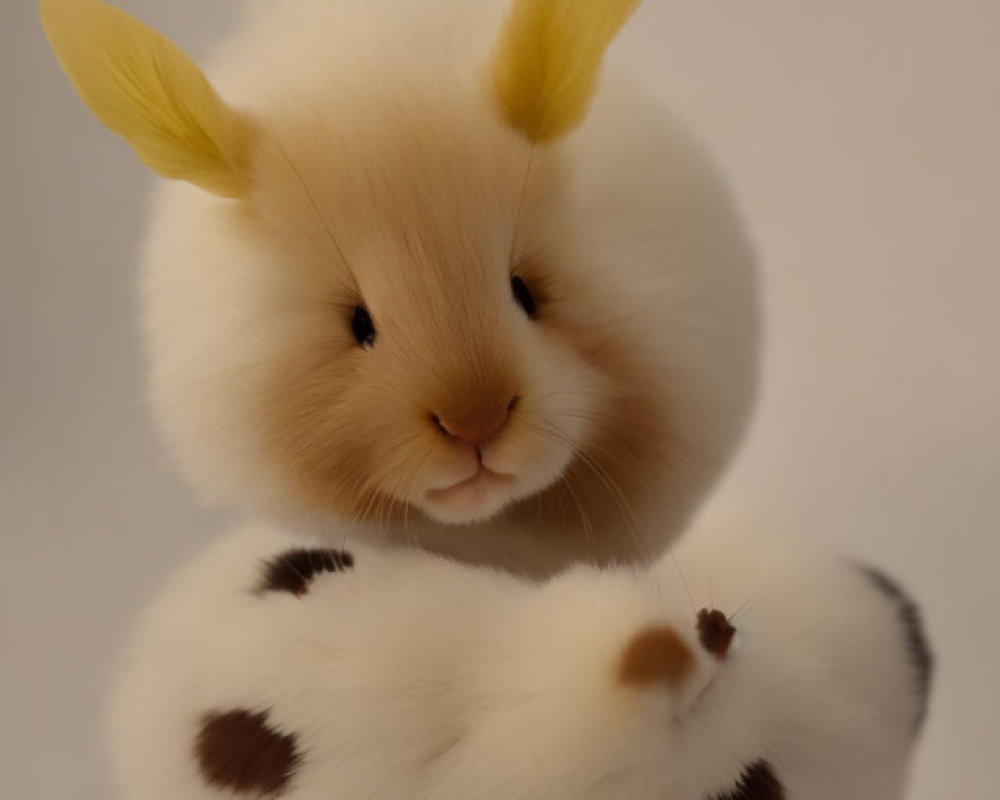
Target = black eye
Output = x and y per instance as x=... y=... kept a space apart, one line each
x=362 y=327
x=523 y=296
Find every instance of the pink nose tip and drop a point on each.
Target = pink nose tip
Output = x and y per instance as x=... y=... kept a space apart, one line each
x=474 y=430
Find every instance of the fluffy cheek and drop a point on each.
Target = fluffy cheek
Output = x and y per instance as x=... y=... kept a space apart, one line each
x=349 y=440
x=553 y=422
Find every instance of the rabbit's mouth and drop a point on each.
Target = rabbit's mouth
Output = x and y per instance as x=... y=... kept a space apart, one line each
x=480 y=492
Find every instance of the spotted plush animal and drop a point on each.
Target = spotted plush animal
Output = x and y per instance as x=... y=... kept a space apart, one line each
x=728 y=671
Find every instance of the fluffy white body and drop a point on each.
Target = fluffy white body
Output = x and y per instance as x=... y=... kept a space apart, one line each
x=406 y=675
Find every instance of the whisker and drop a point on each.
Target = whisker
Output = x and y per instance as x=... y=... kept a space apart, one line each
x=588 y=529
x=748 y=603
x=320 y=216
x=520 y=207
x=604 y=478
x=684 y=583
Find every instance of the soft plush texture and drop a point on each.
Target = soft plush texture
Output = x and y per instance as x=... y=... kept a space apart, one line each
x=727 y=670
x=425 y=281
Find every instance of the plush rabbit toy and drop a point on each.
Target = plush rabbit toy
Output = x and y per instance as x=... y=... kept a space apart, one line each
x=421 y=289
x=411 y=284
x=730 y=670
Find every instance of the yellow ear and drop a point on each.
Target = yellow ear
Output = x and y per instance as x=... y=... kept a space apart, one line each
x=144 y=88
x=547 y=61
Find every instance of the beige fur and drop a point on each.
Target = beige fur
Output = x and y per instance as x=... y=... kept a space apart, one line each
x=382 y=176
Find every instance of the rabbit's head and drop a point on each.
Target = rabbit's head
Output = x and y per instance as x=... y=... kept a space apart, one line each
x=409 y=268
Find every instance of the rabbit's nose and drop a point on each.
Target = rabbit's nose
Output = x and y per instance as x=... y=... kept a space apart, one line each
x=474 y=429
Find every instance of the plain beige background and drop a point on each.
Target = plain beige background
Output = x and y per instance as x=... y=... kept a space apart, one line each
x=862 y=138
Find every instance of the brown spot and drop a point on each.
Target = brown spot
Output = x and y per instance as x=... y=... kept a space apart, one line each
x=715 y=632
x=657 y=655
x=293 y=570
x=238 y=750
x=757 y=782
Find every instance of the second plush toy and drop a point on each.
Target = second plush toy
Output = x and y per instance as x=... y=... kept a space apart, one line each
x=727 y=671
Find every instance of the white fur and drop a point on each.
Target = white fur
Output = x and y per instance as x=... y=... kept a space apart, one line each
x=410 y=676
x=639 y=216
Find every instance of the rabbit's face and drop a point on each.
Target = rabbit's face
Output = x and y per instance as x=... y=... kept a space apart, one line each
x=411 y=334
x=423 y=271
x=433 y=377
x=419 y=314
